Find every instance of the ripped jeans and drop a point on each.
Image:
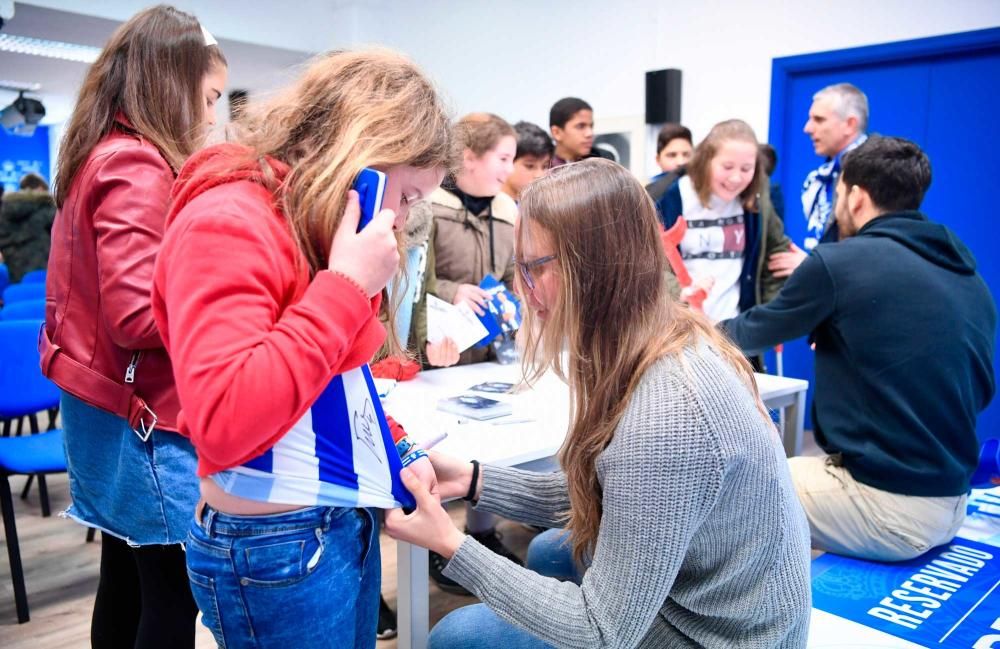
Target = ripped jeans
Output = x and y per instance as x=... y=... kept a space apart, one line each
x=307 y=578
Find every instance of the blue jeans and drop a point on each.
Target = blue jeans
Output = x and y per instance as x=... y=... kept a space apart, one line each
x=551 y=554
x=307 y=578
x=478 y=627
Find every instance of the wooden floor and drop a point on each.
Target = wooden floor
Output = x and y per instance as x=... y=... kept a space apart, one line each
x=61 y=575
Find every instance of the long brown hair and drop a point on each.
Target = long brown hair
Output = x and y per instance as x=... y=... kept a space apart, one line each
x=151 y=71
x=347 y=111
x=614 y=316
x=700 y=165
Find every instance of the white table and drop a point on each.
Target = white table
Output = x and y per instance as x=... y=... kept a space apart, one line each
x=530 y=445
x=789 y=396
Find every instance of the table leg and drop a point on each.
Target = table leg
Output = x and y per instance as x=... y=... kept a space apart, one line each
x=412 y=606
x=794 y=422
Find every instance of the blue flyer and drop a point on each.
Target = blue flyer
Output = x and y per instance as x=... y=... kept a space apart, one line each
x=503 y=313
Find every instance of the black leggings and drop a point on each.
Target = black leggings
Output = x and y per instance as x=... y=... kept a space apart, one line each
x=143 y=598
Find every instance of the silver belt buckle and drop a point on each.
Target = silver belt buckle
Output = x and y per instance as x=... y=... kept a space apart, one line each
x=146 y=432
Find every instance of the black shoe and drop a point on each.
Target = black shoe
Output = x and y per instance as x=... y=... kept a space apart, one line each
x=493 y=542
x=386 y=621
x=490 y=540
x=435 y=566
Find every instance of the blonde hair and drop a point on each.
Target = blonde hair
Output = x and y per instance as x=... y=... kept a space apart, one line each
x=347 y=111
x=700 y=165
x=613 y=315
x=480 y=132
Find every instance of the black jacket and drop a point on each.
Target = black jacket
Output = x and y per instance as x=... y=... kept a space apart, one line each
x=657 y=188
x=25 y=231
x=904 y=328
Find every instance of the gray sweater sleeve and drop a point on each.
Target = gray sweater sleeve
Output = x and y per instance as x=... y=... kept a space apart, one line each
x=661 y=475
x=525 y=496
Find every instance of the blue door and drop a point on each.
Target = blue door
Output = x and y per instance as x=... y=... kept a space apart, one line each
x=941 y=92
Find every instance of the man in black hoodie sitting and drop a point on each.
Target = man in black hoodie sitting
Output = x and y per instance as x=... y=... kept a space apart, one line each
x=904 y=330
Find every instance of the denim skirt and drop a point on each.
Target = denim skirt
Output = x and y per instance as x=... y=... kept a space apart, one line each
x=142 y=492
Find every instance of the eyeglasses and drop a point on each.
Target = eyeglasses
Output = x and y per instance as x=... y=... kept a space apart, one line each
x=525 y=268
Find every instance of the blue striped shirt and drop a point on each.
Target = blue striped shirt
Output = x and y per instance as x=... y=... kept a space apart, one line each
x=339 y=454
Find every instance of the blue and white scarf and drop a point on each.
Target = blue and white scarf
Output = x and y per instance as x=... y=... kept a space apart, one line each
x=339 y=454
x=818 y=194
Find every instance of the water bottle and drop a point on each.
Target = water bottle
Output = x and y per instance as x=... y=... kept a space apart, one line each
x=987 y=474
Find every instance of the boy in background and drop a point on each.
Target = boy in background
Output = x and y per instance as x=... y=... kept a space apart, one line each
x=674 y=147
x=571 y=122
x=534 y=154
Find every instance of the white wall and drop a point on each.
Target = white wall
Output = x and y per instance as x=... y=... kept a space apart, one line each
x=308 y=25
x=516 y=57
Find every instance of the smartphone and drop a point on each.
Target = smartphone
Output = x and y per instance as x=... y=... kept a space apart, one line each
x=370 y=185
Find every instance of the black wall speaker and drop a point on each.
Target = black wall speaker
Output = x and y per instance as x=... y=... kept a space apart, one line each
x=663 y=96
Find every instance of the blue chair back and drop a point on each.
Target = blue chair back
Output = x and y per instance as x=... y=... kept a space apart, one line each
x=21 y=292
x=34 y=277
x=4 y=278
x=24 y=310
x=23 y=388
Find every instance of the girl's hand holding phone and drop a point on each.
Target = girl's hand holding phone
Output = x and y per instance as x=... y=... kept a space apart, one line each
x=369 y=257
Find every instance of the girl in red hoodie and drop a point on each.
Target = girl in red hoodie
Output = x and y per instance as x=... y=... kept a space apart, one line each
x=144 y=107
x=269 y=299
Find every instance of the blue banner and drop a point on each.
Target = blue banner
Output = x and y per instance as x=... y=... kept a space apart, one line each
x=947 y=597
x=20 y=155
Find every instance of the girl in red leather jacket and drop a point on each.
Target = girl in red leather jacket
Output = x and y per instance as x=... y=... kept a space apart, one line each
x=145 y=106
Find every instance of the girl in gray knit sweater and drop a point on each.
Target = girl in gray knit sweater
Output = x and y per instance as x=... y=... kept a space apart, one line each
x=674 y=493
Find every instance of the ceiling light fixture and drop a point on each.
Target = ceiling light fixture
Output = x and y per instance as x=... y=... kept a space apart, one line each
x=51 y=49
x=18 y=86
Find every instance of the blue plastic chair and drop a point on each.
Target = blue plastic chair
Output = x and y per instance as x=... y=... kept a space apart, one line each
x=21 y=292
x=4 y=278
x=31 y=455
x=24 y=310
x=24 y=391
x=34 y=277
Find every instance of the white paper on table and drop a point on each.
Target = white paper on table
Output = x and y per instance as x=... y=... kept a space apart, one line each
x=457 y=322
x=384 y=386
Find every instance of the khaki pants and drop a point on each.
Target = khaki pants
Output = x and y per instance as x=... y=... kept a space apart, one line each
x=853 y=519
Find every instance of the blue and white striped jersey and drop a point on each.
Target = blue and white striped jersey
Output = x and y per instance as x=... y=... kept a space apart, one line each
x=339 y=454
